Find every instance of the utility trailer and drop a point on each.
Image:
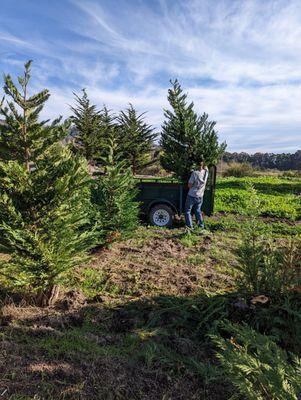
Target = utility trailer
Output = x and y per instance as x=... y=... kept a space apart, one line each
x=163 y=198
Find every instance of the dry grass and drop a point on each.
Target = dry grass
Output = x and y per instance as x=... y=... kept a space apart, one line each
x=158 y=261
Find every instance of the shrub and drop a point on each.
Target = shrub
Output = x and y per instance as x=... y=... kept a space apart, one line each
x=266 y=267
x=256 y=366
x=291 y=174
x=239 y=170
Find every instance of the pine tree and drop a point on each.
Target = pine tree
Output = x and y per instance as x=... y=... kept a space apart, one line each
x=136 y=138
x=186 y=138
x=114 y=196
x=107 y=131
x=44 y=195
x=87 y=121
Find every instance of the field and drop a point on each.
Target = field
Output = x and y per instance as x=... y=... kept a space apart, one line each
x=135 y=322
x=279 y=197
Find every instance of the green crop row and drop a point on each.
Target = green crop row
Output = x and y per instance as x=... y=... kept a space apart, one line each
x=279 y=198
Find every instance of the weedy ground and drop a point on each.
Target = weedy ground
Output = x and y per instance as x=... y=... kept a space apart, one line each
x=280 y=197
x=133 y=323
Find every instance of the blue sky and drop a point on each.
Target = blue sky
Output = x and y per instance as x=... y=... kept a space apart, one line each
x=240 y=61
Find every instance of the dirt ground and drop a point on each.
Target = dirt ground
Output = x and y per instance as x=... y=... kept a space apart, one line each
x=163 y=261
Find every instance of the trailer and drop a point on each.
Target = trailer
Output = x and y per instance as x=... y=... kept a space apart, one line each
x=163 y=198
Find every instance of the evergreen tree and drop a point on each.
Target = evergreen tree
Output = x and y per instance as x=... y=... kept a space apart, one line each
x=187 y=138
x=44 y=192
x=136 y=138
x=107 y=131
x=87 y=121
x=114 y=196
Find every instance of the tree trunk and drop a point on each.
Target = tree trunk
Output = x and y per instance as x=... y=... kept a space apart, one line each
x=48 y=297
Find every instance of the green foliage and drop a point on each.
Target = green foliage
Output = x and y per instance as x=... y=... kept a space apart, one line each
x=256 y=366
x=114 y=197
x=280 y=318
x=108 y=129
x=278 y=197
x=93 y=282
x=87 y=121
x=43 y=195
x=282 y=161
x=266 y=267
x=136 y=139
x=239 y=170
x=186 y=137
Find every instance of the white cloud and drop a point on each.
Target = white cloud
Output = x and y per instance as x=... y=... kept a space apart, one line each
x=240 y=61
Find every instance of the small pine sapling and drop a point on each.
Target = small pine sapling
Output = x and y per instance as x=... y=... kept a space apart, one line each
x=265 y=267
x=114 y=197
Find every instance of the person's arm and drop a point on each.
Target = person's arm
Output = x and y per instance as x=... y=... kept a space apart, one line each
x=191 y=181
x=204 y=176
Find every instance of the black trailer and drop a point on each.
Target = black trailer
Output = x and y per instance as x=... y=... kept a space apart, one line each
x=162 y=198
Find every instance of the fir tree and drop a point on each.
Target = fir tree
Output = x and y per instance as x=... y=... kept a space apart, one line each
x=187 y=138
x=107 y=131
x=136 y=138
x=87 y=121
x=114 y=196
x=44 y=192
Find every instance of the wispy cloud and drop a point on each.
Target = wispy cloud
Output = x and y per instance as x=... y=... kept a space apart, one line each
x=240 y=61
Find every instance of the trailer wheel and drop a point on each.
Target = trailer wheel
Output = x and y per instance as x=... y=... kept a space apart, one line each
x=161 y=215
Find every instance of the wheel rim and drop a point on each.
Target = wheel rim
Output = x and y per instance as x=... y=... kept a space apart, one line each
x=161 y=217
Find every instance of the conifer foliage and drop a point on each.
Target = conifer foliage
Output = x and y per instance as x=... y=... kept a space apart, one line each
x=186 y=137
x=86 y=119
x=43 y=195
x=114 y=196
x=107 y=131
x=136 y=138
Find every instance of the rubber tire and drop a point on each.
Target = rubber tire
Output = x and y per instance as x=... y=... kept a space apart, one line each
x=161 y=207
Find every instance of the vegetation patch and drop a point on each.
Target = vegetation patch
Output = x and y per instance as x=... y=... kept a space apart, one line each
x=279 y=197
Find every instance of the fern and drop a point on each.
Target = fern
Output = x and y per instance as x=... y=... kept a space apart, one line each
x=256 y=366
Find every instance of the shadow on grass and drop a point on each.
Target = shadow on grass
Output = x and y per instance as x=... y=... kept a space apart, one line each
x=155 y=348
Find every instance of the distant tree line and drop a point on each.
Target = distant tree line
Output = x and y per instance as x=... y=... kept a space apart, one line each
x=282 y=161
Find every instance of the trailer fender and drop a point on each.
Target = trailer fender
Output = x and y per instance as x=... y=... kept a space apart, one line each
x=161 y=201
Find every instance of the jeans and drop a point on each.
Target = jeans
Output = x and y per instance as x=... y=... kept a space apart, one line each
x=195 y=204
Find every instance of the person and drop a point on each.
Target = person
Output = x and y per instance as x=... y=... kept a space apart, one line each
x=197 y=183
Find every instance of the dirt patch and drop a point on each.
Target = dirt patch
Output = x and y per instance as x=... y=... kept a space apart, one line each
x=156 y=266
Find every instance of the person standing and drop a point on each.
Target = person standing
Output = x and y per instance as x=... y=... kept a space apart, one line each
x=197 y=184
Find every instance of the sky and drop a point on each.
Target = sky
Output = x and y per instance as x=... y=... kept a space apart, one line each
x=239 y=60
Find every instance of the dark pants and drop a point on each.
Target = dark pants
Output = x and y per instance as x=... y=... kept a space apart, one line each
x=194 y=204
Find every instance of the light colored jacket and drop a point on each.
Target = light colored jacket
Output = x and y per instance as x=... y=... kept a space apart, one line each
x=198 y=180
